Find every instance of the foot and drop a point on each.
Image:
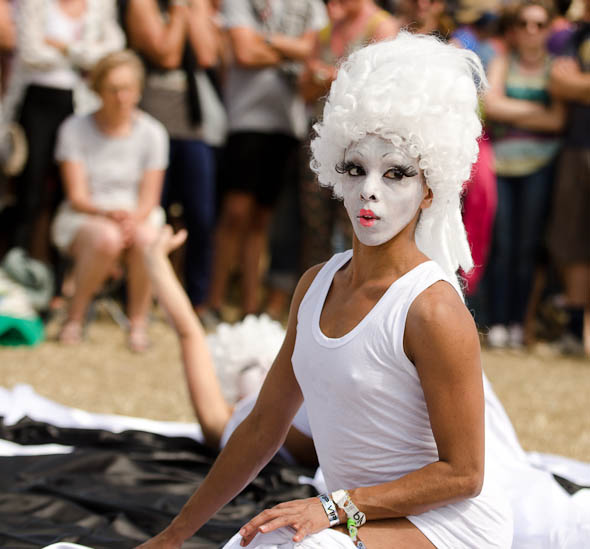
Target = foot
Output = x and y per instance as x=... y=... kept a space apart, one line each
x=71 y=333
x=138 y=340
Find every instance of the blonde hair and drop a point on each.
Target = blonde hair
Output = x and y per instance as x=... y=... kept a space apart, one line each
x=419 y=92
x=111 y=61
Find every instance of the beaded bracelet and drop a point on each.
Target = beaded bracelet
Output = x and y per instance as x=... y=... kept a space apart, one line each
x=330 y=509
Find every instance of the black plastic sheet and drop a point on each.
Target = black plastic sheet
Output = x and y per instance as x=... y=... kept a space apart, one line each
x=116 y=490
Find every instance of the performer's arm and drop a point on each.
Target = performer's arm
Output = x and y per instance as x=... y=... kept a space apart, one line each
x=529 y=115
x=441 y=340
x=251 y=446
x=211 y=408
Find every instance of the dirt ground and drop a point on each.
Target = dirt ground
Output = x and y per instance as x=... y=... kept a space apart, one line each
x=545 y=395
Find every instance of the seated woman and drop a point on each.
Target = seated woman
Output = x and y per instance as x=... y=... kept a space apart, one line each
x=112 y=163
x=379 y=342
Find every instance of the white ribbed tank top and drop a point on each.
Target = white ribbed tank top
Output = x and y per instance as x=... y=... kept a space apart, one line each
x=367 y=411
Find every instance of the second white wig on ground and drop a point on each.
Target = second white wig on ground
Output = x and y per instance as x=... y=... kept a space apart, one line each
x=421 y=94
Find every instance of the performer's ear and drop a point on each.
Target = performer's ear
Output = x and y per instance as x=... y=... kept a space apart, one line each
x=427 y=199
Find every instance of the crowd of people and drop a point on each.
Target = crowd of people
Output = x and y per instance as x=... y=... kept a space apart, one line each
x=200 y=113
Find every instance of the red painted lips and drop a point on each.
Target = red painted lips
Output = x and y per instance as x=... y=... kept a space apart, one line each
x=367 y=218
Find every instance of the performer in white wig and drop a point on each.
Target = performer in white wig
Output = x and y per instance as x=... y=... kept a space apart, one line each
x=421 y=97
x=379 y=342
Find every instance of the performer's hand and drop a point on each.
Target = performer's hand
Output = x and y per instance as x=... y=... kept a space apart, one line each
x=305 y=516
x=167 y=241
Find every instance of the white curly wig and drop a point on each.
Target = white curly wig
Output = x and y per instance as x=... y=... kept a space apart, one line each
x=418 y=92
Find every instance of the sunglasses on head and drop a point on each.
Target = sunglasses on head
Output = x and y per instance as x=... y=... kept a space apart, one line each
x=524 y=23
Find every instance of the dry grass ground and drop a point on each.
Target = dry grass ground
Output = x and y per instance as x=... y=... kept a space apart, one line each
x=545 y=395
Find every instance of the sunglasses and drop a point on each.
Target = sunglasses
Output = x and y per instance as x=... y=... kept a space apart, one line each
x=524 y=23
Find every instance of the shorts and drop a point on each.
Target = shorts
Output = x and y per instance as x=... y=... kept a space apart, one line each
x=570 y=217
x=260 y=164
x=68 y=222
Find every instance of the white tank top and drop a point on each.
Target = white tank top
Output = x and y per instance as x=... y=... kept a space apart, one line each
x=367 y=411
x=60 y=26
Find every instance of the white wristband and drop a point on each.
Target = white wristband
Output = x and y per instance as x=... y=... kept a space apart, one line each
x=342 y=499
x=330 y=509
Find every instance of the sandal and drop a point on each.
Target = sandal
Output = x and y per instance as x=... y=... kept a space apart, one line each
x=71 y=333
x=138 y=340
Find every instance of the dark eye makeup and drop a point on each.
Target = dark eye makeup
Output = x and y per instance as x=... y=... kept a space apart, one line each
x=396 y=172
x=349 y=168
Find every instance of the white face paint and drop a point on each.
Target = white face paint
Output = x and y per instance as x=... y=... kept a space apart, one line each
x=382 y=189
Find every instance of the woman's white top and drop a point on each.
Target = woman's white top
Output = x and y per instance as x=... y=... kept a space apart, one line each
x=59 y=26
x=367 y=411
x=114 y=166
x=96 y=33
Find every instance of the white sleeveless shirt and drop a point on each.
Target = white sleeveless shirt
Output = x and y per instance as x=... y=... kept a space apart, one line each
x=367 y=411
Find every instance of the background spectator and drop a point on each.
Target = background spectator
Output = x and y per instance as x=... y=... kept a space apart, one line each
x=7 y=32
x=477 y=22
x=561 y=28
x=176 y=39
x=570 y=224
x=526 y=141
x=112 y=163
x=266 y=121
x=425 y=17
x=7 y=43
x=57 y=40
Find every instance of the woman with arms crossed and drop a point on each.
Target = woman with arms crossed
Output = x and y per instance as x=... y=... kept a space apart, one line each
x=379 y=342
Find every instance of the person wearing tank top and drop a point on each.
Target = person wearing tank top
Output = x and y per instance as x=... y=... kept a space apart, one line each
x=526 y=122
x=379 y=343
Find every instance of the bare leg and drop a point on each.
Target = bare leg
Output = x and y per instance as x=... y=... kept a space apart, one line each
x=40 y=248
x=254 y=245
x=139 y=287
x=577 y=292
x=96 y=247
x=397 y=533
x=234 y=220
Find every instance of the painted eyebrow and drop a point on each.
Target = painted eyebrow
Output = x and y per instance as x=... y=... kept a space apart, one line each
x=401 y=154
